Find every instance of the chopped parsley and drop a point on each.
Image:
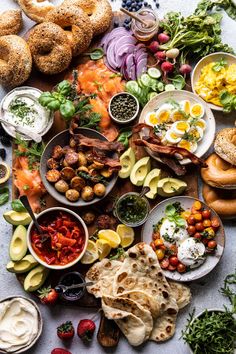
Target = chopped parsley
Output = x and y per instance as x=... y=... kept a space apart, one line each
x=24 y=112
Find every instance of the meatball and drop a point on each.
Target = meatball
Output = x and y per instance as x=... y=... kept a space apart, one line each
x=57 y=152
x=77 y=183
x=72 y=195
x=52 y=164
x=88 y=218
x=67 y=173
x=99 y=189
x=82 y=159
x=61 y=186
x=71 y=157
x=87 y=193
x=53 y=176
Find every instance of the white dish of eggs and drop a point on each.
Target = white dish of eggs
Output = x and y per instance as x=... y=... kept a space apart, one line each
x=180 y=118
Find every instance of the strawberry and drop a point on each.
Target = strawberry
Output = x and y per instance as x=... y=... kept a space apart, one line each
x=60 y=351
x=48 y=296
x=86 y=329
x=66 y=330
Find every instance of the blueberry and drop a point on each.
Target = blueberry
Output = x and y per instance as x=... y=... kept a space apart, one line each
x=129 y=3
x=157 y=5
x=3 y=153
x=145 y=3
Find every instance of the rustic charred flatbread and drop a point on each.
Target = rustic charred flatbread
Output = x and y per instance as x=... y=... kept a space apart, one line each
x=181 y=293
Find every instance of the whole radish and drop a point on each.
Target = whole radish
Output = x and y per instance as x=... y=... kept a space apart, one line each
x=160 y=56
x=154 y=46
x=163 y=38
x=185 y=69
x=167 y=68
x=172 y=54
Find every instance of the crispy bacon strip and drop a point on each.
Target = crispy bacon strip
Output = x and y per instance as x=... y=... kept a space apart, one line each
x=172 y=151
x=112 y=162
x=138 y=127
x=173 y=164
x=99 y=144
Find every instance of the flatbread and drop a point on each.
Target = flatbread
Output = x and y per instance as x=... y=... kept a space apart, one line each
x=102 y=273
x=181 y=293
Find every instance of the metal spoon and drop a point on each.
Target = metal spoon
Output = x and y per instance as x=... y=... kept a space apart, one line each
x=24 y=200
x=63 y=288
x=25 y=131
x=144 y=191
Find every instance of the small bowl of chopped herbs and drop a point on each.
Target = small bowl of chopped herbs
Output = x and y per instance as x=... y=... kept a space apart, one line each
x=132 y=209
x=123 y=107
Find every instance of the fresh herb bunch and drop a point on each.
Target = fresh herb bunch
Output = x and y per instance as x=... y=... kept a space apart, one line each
x=227 y=291
x=208 y=5
x=228 y=101
x=125 y=134
x=172 y=212
x=33 y=151
x=66 y=99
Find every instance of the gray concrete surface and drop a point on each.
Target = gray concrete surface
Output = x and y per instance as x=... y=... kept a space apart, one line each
x=205 y=291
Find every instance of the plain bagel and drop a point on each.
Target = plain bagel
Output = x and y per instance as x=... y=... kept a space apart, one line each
x=16 y=61
x=225 y=145
x=77 y=26
x=222 y=201
x=10 y=22
x=50 y=49
x=99 y=12
x=36 y=9
x=219 y=173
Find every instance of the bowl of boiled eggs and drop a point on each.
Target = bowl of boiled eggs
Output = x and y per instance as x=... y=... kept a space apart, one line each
x=182 y=119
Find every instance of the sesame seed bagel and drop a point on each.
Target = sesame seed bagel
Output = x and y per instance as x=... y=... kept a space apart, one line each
x=80 y=31
x=99 y=12
x=15 y=61
x=36 y=9
x=10 y=22
x=225 y=145
x=50 y=48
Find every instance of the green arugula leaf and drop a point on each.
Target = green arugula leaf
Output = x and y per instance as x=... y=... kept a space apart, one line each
x=178 y=81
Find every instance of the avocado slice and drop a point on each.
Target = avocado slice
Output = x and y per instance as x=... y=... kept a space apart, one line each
x=35 y=278
x=151 y=181
x=5 y=172
x=127 y=161
x=140 y=171
x=23 y=266
x=18 y=245
x=169 y=187
x=17 y=218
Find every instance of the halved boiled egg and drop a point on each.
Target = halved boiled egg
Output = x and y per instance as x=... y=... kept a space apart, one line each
x=164 y=113
x=172 y=137
x=180 y=127
x=177 y=115
x=151 y=119
x=196 y=133
x=197 y=110
x=201 y=124
x=190 y=146
x=185 y=106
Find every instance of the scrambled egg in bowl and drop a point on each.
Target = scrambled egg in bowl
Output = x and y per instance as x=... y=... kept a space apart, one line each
x=211 y=82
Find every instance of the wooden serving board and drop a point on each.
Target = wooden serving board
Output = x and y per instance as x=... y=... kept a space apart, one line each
x=108 y=334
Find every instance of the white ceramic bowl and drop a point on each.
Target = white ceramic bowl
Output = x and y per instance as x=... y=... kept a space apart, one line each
x=123 y=121
x=40 y=324
x=38 y=259
x=230 y=58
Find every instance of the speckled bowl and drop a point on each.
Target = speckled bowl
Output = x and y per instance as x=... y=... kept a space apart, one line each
x=40 y=325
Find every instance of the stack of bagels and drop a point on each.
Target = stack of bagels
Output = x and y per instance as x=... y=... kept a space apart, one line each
x=62 y=32
x=219 y=188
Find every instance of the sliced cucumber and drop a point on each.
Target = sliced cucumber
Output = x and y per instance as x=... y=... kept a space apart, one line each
x=151 y=95
x=140 y=82
x=132 y=86
x=154 y=73
x=160 y=86
x=169 y=87
x=153 y=84
x=145 y=80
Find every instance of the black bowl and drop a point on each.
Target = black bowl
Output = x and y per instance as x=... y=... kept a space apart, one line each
x=69 y=279
x=63 y=139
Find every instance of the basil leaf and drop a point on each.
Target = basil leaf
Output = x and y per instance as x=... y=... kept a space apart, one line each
x=4 y=195
x=170 y=210
x=180 y=221
x=96 y=54
x=124 y=137
x=17 y=205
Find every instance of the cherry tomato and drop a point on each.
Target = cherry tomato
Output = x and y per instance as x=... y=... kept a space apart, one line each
x=197 y=205
x=199 y=226
x=198 y=217
x=204 y=241
x=164 y=263
x=210 y=232
x=158 y=242
x=160 y=254
x=215 y=222
x=194 y=211
x=211 y=244
x=191 y=220
x=162 y=247
x=191 y=230
x=206 y=214
x=206 y=223
x=173 y=249
x=185 y=214
x=155 y=235
x=171 y=268
x=173 y=261
x=181 y=268
x=152 y=244
x=197 y=235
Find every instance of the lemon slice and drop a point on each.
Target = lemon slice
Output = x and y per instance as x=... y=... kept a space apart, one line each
x=126 y=234
x=103 y=248
x=110 y=236
x=91 y=253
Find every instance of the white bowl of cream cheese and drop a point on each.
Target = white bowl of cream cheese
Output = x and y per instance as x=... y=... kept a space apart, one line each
x=20 y=324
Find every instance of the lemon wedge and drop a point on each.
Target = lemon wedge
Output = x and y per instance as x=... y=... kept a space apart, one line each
x=91 y=253
x=103 y=248
x=126 y=234
x=110 y=236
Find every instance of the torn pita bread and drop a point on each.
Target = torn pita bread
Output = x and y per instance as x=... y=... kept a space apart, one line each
x=181 y=293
